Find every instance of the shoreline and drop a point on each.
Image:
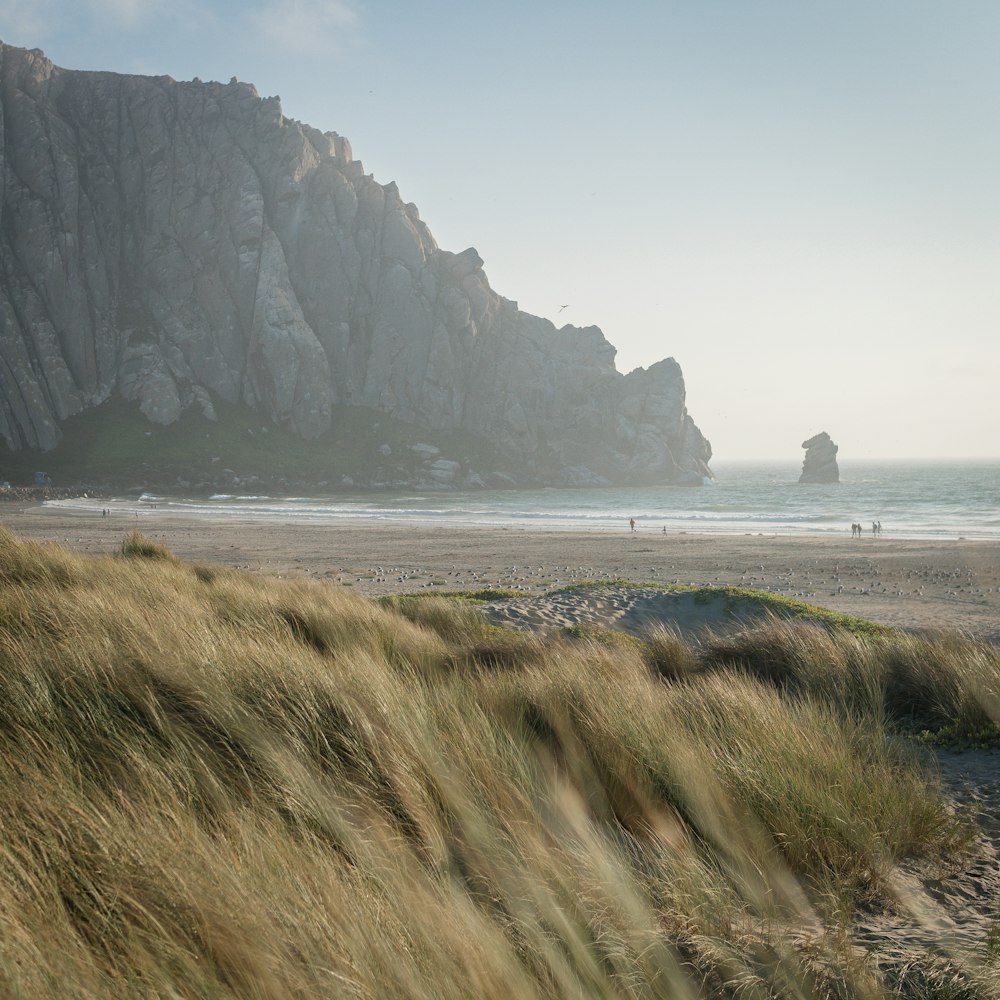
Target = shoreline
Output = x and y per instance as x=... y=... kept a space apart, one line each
x=340 y=512
x=914 y=584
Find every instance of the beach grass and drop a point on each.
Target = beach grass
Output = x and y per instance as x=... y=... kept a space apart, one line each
x=221 y=785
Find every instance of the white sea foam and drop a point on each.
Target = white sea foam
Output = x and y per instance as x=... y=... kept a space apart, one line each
x=929 y=500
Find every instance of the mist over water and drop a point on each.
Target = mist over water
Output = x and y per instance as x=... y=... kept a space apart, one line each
x=912 y=500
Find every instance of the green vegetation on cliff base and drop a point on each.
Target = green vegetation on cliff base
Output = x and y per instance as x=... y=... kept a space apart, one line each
x=219 y=785
x=115 y=446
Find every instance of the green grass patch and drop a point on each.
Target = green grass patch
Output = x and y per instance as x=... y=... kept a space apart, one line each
x=794 y=607
x=958 y=735
x=483 y=595
x=584 y=585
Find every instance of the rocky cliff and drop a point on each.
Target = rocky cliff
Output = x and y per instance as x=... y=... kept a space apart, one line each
x=184 y=244
x=820 y=463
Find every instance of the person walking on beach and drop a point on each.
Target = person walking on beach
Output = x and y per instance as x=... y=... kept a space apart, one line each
x=631 y=523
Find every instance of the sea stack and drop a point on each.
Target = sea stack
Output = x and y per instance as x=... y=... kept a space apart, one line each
x=820 y=464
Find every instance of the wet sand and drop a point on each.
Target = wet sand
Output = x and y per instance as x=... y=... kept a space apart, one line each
x=920 y=585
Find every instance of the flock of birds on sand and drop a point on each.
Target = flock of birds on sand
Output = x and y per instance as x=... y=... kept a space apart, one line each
x=857 y=579
x=862 y=578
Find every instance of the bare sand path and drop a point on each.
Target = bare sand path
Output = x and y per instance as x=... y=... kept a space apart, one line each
x=952 y=913
x=904 y=583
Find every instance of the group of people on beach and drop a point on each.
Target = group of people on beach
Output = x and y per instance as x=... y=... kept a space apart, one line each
x=857 y=530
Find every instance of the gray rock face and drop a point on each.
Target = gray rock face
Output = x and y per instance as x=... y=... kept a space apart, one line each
x=179 y=243
x=820 y=463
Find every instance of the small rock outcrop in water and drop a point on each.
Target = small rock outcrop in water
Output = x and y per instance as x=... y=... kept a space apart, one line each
x=820 y=464
x=182 y=245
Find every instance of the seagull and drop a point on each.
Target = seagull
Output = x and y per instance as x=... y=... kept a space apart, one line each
x=564 y=307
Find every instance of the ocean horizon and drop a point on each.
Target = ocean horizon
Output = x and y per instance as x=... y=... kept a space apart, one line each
x=918 y=499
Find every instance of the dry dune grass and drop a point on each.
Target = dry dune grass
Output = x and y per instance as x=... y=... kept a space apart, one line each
x=215 y=785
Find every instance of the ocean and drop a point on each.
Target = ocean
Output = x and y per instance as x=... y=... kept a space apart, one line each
x=943 y=499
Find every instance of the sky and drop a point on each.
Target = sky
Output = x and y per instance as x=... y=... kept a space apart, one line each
x=800 y=202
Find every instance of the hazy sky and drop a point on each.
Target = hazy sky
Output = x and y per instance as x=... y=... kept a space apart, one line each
x=798 y=201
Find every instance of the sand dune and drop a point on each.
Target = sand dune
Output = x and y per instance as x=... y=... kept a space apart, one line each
x=635 y=610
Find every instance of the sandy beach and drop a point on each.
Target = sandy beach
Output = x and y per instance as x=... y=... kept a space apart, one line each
x=932 y=585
